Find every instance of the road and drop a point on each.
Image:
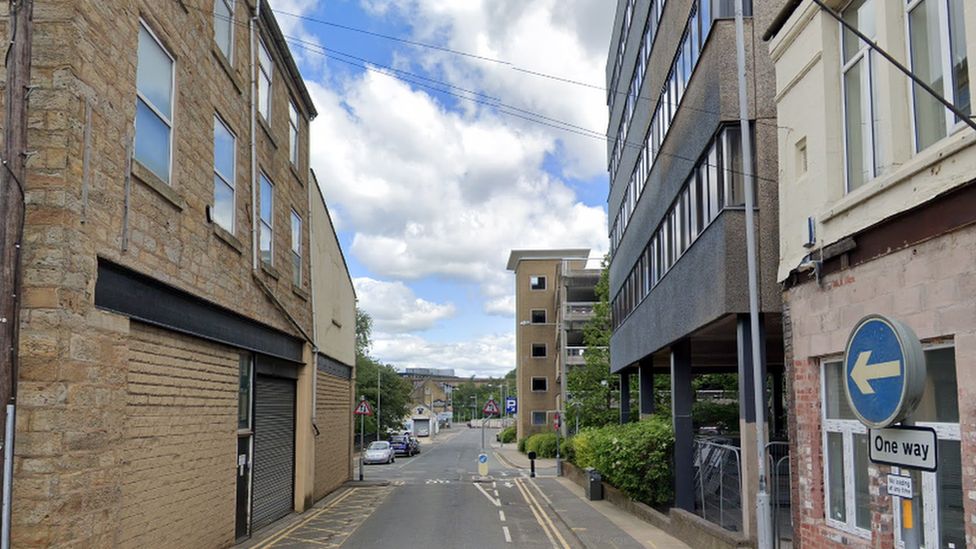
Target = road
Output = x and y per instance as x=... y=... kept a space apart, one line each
x=435 y=500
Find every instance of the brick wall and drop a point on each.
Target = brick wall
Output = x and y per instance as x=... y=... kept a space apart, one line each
x=931 y=287
x=333 y=445
x=180 y=444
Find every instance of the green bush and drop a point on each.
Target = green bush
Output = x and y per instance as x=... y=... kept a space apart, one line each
x=521 y=445
x=634 y=457
x=544 y=445
x=721 y=415
x=507 y=435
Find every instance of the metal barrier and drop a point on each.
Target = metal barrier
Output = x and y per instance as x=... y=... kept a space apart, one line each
x=718 y=479
x=778 y=458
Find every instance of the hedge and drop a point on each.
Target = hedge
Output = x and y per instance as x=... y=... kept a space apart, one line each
x=507 y=435
x=634 y=457
x=543 y=444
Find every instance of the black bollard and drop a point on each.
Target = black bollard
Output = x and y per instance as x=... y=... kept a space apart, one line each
x=531 y=464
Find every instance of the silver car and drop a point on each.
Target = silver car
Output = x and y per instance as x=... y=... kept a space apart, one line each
x=379 y=451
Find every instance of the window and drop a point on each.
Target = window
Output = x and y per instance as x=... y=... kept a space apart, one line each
x=860 y=127
x=540 y=384
x=937 y=48
x=293 y=134
x=265 y=71
x=537 y=282
x=538 y=418
x=224 y=175
x=538 y=350
x=296 y=249
x=266 y=238
x=224 y=27
x=154 y=105
x=244 y=393
x=846 y=456
x=538 y=316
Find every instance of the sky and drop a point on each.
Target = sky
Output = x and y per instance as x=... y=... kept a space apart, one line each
x=431 y=167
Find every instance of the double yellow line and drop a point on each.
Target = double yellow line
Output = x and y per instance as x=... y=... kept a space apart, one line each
x=311 y=517
x=540 y=516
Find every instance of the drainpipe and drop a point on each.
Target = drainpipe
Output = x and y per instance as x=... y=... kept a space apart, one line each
x=252 y=29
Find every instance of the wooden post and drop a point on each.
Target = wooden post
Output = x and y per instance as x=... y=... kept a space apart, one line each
x=12 y=177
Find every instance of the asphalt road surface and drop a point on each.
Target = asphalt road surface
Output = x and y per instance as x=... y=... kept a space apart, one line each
x=435 y=502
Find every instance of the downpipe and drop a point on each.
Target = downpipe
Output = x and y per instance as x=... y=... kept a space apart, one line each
x=8 y=475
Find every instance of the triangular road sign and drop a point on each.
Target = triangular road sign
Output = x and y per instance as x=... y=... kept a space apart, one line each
x=363 y=409
x=490 y=409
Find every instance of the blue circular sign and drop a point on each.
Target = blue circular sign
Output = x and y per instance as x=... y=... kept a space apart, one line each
x=482 y=458
x=884 y=370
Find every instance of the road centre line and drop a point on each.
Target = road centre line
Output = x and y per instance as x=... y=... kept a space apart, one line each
x=495 y=502
x=501 y=515
x=311 y=517
x=508 y=536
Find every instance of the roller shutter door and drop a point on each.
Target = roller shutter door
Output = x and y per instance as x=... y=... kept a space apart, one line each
x=274 y=450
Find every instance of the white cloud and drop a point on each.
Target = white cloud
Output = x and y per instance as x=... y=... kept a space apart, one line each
x=395 y=308
x=501 y=306
x=489 y=355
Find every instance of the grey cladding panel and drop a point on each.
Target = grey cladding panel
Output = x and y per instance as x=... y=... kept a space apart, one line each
x=331 y=366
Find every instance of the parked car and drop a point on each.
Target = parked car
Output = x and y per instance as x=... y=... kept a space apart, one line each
x=401 y=445
x=379 y=451
x=414 y=445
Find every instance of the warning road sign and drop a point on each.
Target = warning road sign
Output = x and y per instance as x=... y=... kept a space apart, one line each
x=363 y=409
x=490 y=409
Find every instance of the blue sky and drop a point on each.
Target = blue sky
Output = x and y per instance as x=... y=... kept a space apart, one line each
x=430 y=192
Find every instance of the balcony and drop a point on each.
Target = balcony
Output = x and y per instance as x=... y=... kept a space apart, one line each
x=574 y=356
x=578 y=311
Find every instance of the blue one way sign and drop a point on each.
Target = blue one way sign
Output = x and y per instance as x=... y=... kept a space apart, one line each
x=885 y=370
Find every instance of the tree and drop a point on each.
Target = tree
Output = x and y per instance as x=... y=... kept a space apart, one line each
x=592 y=388
x=376 y=379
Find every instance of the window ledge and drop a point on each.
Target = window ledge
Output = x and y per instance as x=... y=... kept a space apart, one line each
x=145 y=176
x=267 y=130
x=920 y=162
x=297 y=290
x=297 y=173
x=270 y=270
x=228 y=238
x=228 y=68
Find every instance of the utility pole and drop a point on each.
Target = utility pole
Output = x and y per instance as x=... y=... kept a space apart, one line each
x=764 y=531
x=12 y=175
x=379 y=407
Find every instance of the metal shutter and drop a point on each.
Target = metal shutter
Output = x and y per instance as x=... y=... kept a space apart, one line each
x=274 y=450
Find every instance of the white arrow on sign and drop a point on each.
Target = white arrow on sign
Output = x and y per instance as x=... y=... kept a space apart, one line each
x=862 y=372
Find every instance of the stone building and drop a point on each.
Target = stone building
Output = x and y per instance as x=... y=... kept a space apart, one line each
x=554 y=297
x=177 y=387
x=877 y=212
x=678 y=269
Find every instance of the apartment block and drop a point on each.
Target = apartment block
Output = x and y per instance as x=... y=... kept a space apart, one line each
x=678 y=266
x=187 y=323
x=877 y=210
x=554 y=298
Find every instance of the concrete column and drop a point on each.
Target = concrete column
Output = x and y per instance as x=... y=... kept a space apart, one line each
x=646 y=381
x=684 y=436
x=749 y=464
x=624 y=396
x=304 y=433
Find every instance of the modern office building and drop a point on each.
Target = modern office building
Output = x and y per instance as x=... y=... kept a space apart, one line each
x=554 y=297
x=678 y=276
x=187 y=323
x=877 y=211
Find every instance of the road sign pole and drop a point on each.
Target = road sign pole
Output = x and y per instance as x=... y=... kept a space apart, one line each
x=362 y=443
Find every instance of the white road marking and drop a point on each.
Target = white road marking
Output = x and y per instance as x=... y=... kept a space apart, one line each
x=508 y=536
x=496 y=493
x=501 y=515
x=494 y=485
x=494 y=501
x=508 y=484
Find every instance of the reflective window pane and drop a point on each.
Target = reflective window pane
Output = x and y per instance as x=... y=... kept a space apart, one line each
x=925 y=38
x=958 y=57
x=267 y=200
x=862 y=497
x=265 y=243
x=223 y=150
x=856 y=123
x=152 y=148
x=223 y=204
x=952 y=518
x=835 y=471
x=154 y=74
x=223 y=26
x=835 y=397
x=940 y=401
x=860 y=15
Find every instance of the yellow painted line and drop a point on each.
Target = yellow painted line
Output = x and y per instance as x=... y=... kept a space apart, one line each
x=310 y=518
x=546 y=517
x=535 y=513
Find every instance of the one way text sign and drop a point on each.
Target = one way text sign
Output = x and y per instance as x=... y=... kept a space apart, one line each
x=914 y=447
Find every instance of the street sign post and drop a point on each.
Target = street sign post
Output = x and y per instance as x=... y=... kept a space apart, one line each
x=885 y=371
x=914 y=447
x=511 y=405
x=362 y=410
x=483 y=465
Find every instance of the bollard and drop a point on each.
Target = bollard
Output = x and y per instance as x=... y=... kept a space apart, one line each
x=531 y=464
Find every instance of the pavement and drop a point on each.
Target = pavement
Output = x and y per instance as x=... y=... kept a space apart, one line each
x=436 y=499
